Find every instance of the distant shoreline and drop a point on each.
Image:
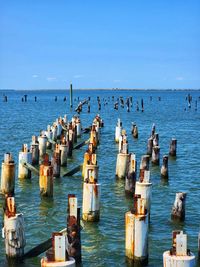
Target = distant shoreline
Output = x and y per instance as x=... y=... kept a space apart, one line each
x=97 y=89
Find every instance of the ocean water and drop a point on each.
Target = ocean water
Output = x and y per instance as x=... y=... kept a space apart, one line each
x=103 y=243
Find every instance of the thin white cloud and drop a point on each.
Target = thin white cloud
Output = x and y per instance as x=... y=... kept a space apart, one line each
x=117 y=81
x=78 y=76
x=35 y=76
x=179 y=78
x=50 y=79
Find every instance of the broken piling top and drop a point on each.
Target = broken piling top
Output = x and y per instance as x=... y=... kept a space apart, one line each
x=8 y=158
x=179 y=254
x=178 y=209
x=25 y=148
x=153 y=130
x=10 y=206
x=139 y=205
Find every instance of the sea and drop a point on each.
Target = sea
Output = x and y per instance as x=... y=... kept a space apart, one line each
x=103 y=243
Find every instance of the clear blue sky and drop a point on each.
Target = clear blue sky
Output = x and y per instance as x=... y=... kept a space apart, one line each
x=99 y=44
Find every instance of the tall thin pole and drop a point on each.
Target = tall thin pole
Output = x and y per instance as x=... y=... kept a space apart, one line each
x=71 y=96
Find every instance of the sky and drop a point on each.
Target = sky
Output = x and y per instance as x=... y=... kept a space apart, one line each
x=143 y=44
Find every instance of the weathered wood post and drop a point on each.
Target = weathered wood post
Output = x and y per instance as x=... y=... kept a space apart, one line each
x=74 y=228
x=156 y=139
x=131 y=175
x=35 y=150
x=153 y=130
x=25 y=156
x=173 y=147
x=91 y=192
x=70 y=139
x=144 y=166
x=46 y=177
x=56 y=162
x=150 y=146
x=155 y=155
x=13 y=230
x=71 y=96
x=164 y=168
x=8 y=175
x=144 y=188
x=179 y=254
x=42 y=139
x=136 y=233
x=118 y=130
x=178 y=209
x=134 y=130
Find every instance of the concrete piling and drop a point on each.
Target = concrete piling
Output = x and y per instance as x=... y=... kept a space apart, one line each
x=46 y=177
x=25 y=156
x=173 y=147
x=143 y=187
x=91 y=192
x=164 y=168
x=63 y=153
x=13 y=230
x=78 y=126
x=122 y=157
x=130 y=178
x=49 y=136
x=118 y=130
x=179 y=254
x=54 y=132
x=8 y=175
x=42 y=139
x=35 y=150
x=178 y=209
x=136 y=233
x=57 y=256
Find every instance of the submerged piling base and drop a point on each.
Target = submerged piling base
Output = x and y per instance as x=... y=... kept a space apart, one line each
x=69 y=263
x=92 y=216
x=173 y=260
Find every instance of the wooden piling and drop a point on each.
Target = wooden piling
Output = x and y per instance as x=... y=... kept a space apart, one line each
x=173 y=147
x=178 y=209
x=35 y=150
x=155 y=155
x=164 y=168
